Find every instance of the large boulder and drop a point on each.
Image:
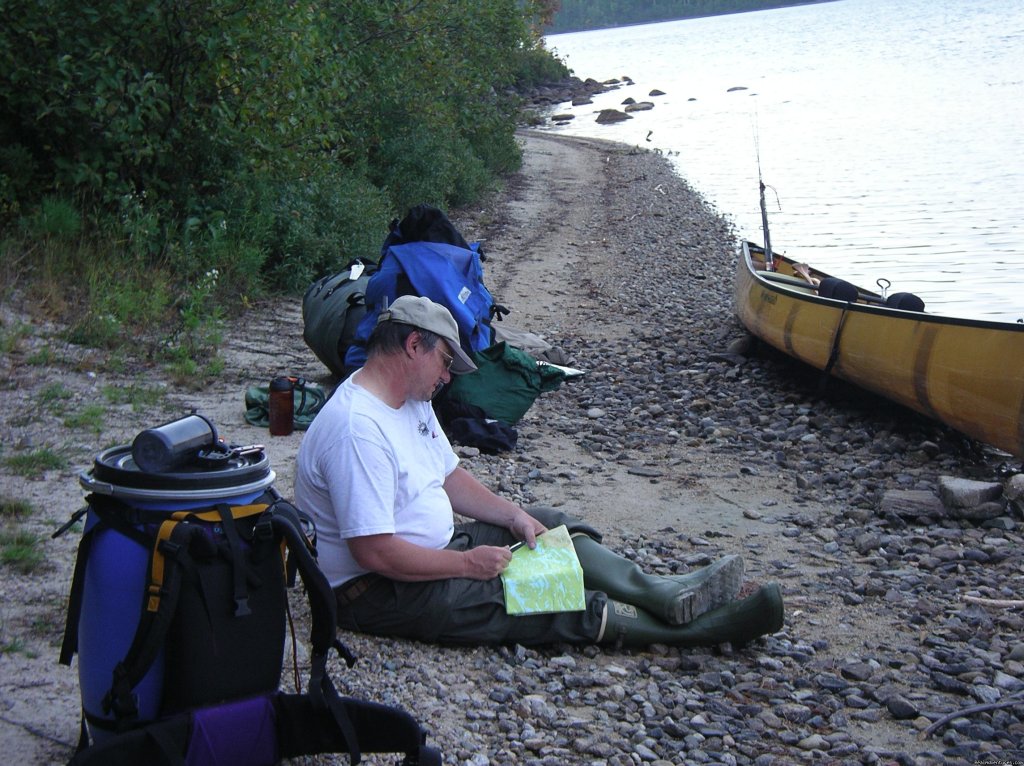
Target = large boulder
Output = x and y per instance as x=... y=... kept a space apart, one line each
x=608 y=116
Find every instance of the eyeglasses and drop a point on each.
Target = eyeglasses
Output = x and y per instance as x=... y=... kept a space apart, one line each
x=449 y=360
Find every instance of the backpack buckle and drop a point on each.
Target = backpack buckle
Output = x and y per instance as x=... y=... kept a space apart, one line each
x=242 y=607
x=263 y=529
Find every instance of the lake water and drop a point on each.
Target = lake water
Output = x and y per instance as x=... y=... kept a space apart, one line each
x=890 y=132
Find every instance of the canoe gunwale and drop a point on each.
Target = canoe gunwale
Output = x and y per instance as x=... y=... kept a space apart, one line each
x=784 y=288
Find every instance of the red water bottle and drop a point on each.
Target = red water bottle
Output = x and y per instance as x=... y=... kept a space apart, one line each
x=282 y=406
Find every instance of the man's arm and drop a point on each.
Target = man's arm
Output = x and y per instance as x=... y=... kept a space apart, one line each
x=399 y=559
x=471 y=498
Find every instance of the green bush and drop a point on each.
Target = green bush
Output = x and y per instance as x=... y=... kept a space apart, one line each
x=318 y=226
x=54 y=218
x=144 y=145
x=535 y=65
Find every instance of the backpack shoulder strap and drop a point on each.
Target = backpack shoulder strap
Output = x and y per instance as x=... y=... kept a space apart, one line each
x=161 y=599
x=323 y=607
x=69 y=645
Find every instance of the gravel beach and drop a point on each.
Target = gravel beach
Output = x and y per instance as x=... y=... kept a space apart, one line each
x=682 y=442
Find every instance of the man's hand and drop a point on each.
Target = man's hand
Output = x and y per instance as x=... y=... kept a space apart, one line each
x=486 y=562
x=526 y=528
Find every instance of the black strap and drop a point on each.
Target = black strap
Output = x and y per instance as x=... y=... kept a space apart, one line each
x=304 y=728
x=237 y=560
x=287 y=520
x=69 y=646
x=833 y=355
x=83 y=734
x=75 y=518
x=161 y=743
x=322 y=692
x=126 y=519
x=152 y=629
x=323 y=608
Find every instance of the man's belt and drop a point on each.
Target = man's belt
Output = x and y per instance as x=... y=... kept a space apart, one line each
x=352 y=589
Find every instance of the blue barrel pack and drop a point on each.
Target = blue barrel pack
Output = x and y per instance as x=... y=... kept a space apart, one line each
x=179 y=466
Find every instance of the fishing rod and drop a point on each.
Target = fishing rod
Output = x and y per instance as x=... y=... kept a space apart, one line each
x=769 y=260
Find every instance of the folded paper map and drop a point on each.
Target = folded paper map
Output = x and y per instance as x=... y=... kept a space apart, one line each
x=546 y=579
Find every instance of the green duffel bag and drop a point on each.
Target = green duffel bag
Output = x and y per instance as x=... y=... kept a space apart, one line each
x=506 y=382
x=331 y=310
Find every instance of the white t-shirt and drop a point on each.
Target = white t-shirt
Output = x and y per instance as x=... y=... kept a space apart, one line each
x=365 y=468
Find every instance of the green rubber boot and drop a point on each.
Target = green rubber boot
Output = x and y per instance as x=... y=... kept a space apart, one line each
x=675 y=599
x=737 y=623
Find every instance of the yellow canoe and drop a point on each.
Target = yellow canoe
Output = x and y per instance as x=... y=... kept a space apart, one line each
x=966 y=373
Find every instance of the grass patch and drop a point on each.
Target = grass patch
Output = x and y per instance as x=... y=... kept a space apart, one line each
x=10 y=337
x=13 y=508
x=89 y=418
x=53 y=396
x=134 y=395
x=21 y=550
x=191 y=373
x=44 y=357
x=44 y=627
x=35 y=463
x=13 y=646
x=95 y=331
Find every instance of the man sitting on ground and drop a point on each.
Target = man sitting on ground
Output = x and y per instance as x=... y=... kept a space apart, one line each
x=382 y=483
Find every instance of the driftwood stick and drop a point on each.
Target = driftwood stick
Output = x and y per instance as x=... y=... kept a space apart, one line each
x=1014 y=699
x=1002 y=603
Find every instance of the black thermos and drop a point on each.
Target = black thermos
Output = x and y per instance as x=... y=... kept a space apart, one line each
x=174 y=444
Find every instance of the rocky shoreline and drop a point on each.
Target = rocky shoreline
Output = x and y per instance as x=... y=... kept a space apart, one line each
x=903 y=637
x=670 y=387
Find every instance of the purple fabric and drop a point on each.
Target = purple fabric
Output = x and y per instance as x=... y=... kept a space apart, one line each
x=238 y=733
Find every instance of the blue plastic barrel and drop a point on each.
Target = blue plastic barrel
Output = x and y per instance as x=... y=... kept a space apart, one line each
x=116 y=572
x=115 y=580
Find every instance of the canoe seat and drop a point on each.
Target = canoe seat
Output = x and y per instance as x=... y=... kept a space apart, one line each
x=905 y=302
x=785 y=279
x=838 y=289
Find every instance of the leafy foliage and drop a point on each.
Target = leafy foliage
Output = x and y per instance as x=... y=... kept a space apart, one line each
x=270 y=141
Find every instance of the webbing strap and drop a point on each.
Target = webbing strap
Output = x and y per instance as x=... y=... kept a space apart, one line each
x=152 y=628
x=322 y=692
x=237 y=512
x=158 y=561
x=241 y=592
x=69 y=645
x=158 y=564
x=161 y=595
x=833 y=355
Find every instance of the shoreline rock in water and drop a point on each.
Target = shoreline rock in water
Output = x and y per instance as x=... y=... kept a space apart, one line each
x=680 y=450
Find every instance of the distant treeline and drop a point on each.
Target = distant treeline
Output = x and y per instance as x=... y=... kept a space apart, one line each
x=576 y=15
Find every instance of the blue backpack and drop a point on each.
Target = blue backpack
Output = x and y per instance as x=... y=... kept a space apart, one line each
x=425 y=255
